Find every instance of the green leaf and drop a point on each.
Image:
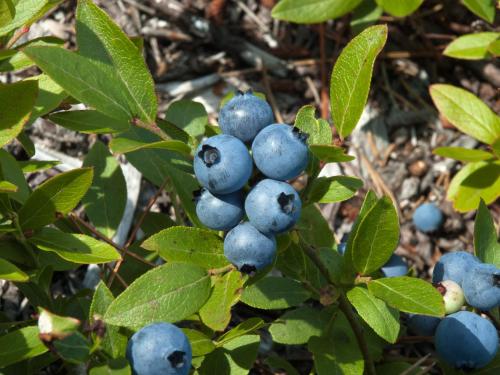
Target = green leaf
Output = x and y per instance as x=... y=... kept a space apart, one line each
x=73 y=349
x=84 y=79
x=168 y=293
x=10 y=272
x=201 y=344
x=486 y=245
x=365 y=15
x=52 y=326
x=50 y=96
x=482 y=8
x=106 y=199
x=11 y=172
x=471 y=46
x=297 y=326
x=330 y=153
x=313 y=11
x=381 y=318
x=277 y=363
x=376 y=237
x=118 y=366
x=463 y=154
x=89 y=121
x=313 y=227
x=226 y=292
x=26 y=143
x=475 y=181
x=467 y=112
x=22 y=14
x=114 y=343
x=351 y=76
x=190 y=245
x=16 y=104
x=319 y=130
x=16 y=346
x=188 y=115
x=7 y=187
x=494 y=48
x=7 y=12
x=245 y=327
x=333 y=189
x=123 y=145
x=59 y=194
x=399 y=8
x=30 y=166
x=274 y=293
x=409 y=294
x=76 y=248
x=99 y=38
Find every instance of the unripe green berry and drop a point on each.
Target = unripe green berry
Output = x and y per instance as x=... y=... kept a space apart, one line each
x=453 y=295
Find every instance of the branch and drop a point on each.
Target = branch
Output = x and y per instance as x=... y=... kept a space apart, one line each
x=153 y=127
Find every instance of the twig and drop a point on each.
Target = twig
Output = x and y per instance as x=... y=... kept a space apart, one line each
x=270 y=95
x=324 y=92
x=153 y=127
x=18 y=34
x=120 y=279
x=218 y=271
x=412 y=339
x=410 y=369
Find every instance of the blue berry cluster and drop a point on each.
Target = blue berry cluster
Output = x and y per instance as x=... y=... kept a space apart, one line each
x=223 y=166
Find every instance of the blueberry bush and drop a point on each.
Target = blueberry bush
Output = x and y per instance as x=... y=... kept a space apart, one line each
x=248 y=235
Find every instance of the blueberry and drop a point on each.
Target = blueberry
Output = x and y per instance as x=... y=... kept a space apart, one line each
x=482 y=287
x=341 y=248
x=219 y=212
x=280 y=151
x=427 y=217
x=453 y=266
x=466 y=341
x=453 y=295
x=248 y=249
x=159 y=349
x=222 y=164
x=273 y=206
x=423 y=325
x=394 y=267
x=244 y=116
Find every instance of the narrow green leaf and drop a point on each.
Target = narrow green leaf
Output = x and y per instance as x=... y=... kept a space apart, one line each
x=7 y=11
x=89 y=121
x=278 y=364
x=475 y=181
x=26 y=143
x=76 y=248
x=30 y=166
x=168 y=293
x=463 y=154
x=486 y=245
x=312 y=11
x=200 y=343
x=114 y=343
x=226 y=292
x=494 y=48
x=53 y=326
x=84 y=79
x=471 y=46
x=10 y=171
x=330 y=153
x=334 y=189
x=190 y=245
x=22 y=13
x=50 y=96
x=409 y=294
x=482 y=8
x=106 y=199
x=119 y=366
x=16 y=103
x=96 y=32
x=351 y=76
x=399 y=8
x=467 y=112
x=319 y=130
x=365 y=15
x=274 y=293
x=376 y=237
x=188 y=115
x=381 y=318
x=73 y=349
x=244 y=328
x=16 y=346
x=122 y=145
x=59 y=194
x=7 y=187
x=313 y=227
x=10 y=272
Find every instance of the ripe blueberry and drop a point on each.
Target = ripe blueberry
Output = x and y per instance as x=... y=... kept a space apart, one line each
x=395 y=267
x=423 y=325
x=453 y=295
x=482 y=287
x=222 y=164
x=244 y=116
x=219 y=212
x=427 y=217
x=280 y=151
x=341 y=248
x=453 y=266
x=248 y=249
x=273 y=206
x=159 y=349
x=466 y=341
